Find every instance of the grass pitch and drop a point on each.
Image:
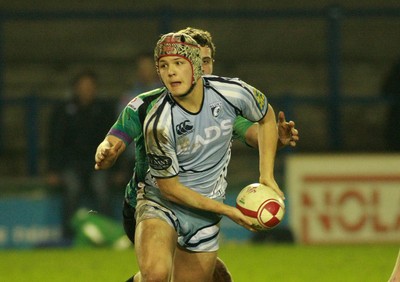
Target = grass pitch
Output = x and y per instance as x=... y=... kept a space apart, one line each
x=247 y=262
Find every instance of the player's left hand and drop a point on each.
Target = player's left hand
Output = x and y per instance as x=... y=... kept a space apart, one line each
x=288 y=134
x=271 y=182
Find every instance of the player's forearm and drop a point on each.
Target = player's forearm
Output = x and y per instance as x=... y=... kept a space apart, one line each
x=251 y=137
x=113 y=141
x=268 y=136
x=180 y=194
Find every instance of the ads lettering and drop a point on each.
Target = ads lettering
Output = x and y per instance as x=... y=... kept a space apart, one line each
x=211 y=134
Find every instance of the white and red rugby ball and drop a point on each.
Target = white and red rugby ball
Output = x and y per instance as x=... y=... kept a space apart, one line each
x=262 y=205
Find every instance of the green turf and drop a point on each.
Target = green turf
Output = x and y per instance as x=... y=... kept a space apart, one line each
x=247 y=263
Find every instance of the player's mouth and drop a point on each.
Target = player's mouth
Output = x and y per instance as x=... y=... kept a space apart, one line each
x=175 y=84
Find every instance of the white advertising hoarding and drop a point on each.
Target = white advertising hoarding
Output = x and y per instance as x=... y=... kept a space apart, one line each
x=344 y=198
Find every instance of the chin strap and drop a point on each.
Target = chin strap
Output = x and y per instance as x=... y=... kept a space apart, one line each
x=188 y=92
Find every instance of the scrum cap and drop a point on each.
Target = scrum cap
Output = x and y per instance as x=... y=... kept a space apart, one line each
x=181 y=45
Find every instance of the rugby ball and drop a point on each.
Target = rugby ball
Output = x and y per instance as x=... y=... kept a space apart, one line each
x=262 y=205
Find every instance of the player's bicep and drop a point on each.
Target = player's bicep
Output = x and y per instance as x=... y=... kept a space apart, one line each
x=269 y=117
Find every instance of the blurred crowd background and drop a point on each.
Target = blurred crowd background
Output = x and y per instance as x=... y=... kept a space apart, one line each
x=324 y=63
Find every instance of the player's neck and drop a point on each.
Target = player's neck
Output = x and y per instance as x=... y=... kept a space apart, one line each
x=193 y=101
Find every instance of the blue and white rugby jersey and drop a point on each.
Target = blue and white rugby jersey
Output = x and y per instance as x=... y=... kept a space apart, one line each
x=196 y=146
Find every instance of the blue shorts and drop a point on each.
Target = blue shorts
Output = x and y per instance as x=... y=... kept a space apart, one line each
x=198 y=231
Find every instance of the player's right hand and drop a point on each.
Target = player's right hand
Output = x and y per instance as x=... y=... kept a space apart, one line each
x=106 y=154
x=238 y=217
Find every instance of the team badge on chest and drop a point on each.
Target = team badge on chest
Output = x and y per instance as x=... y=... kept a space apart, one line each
x=216 y=108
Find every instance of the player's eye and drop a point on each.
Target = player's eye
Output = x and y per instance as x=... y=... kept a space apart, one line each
x=207 y=61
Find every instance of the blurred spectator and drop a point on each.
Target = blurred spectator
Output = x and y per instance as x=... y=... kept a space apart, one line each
x=145 y=78
x=76 y=127
x=391 y=91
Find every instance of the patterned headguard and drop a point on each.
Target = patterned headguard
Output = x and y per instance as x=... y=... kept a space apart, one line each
x=181 y=45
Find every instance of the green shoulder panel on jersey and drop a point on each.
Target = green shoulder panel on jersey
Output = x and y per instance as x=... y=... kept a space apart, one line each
x=148 y=99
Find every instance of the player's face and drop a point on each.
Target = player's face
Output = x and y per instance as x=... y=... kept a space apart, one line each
x=176 y=73
x=205 y=54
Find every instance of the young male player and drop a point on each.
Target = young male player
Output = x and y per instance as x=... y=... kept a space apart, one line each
x=128 y=128
x=188 y=140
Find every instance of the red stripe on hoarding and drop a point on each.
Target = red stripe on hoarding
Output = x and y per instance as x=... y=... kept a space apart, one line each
x=351 y=178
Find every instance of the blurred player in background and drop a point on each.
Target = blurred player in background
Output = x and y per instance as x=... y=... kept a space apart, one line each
x=143 y=79
x=128 y=131
x=76 y=127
